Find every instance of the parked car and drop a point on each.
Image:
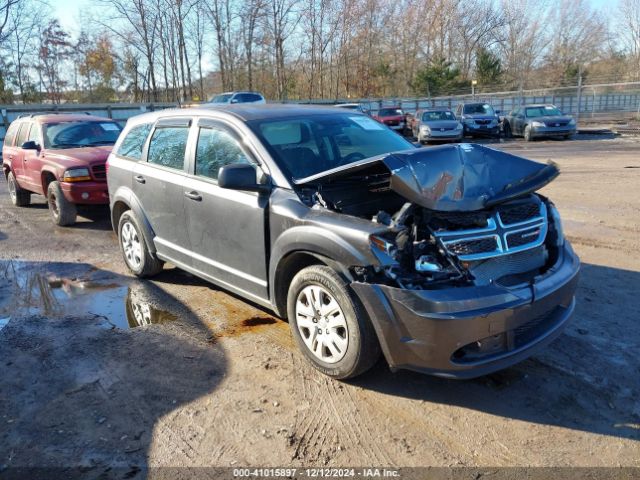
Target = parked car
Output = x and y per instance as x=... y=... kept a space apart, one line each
x=535 y=121
x=436 y=124
x=479 y=119
x=358 y=107
x=61 y=157
x=392 y=117
x=441 y=259
x=238 y=97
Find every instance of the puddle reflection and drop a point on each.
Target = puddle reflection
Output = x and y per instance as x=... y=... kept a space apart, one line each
x=44 y=293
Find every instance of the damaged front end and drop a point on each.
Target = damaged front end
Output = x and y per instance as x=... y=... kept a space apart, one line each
x=463 y=238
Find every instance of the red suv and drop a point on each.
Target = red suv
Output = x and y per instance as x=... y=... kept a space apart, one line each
x=392 y=117
x=61 y=157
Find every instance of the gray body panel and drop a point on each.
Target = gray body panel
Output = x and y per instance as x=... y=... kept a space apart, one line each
x=240 y=239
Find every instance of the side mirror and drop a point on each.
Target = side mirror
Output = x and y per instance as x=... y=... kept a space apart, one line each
x=30 y=145
x=498 y=112
x=240 y=176
x=234 y=100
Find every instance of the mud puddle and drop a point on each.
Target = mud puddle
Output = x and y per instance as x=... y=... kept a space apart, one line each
x=30 y=291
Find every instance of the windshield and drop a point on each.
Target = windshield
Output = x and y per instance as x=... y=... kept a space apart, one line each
x=224 y=98
x=304 y=146
x=435 y=116
x=479 y=109
x=80 y=134
x=390 y=112
x=544 y=111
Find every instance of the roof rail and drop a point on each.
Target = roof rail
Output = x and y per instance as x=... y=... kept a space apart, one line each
x=35 y=114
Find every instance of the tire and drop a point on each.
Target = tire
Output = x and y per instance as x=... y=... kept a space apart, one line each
x=527 y=134
x=355 y=344
x=507 y=130
x=19 y=196
x=63 y=212
x=133 y=247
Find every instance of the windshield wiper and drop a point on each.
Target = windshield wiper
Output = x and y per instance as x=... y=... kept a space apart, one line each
x=101 y=142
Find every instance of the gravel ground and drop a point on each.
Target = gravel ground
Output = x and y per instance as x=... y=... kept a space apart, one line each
x=210 y=380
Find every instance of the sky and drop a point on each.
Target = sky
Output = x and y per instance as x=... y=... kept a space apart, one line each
x=68 y=11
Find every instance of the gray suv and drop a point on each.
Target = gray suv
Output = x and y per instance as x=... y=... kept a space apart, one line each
x=441 y=259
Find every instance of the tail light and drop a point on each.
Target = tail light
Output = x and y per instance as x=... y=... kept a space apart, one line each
x=106 y=167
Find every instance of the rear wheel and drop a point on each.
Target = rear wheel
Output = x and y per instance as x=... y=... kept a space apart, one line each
x=19 y=197
x=63 y=212
x=134 y=248
x=329 y=324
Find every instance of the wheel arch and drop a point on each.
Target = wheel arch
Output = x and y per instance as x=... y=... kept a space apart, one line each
x=123 y=200
x=46 y=177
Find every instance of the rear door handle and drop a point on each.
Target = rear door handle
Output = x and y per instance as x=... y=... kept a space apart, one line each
x=193 y=195
x=139 y=179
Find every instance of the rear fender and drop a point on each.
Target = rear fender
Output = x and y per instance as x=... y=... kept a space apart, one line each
x=126 y=196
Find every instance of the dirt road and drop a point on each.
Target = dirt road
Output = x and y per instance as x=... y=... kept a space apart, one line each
x=213 y=380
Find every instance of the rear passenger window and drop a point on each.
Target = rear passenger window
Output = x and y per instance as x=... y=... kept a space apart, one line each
x=216 y=148
x=11 y=134
x=167 y=147
x=133 y=143
x=22 y=135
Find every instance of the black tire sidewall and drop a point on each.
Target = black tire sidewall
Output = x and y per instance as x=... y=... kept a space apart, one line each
x=351 y=364
x=66 y=210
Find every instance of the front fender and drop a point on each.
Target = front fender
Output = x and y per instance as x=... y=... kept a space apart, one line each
x=125 y=195
x=321 y=243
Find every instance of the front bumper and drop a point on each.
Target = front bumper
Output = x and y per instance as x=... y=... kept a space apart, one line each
x=86 y=193
x=434 y=136
x=467 y=332
x=481 y=130
x=398 y=127
x=552 y=131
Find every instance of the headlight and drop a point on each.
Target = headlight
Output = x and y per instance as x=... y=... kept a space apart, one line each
x=469 y=121
x=537 y=124
x=459 y=126
x=557 y=224
x=572 y=122
x=425 y=129
x=76 y=175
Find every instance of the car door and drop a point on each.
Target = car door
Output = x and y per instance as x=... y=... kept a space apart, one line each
x=158 y=185
x=32 y=159
x=10 y=150
x=518 y=121
x=226 y=227
x=17 y=158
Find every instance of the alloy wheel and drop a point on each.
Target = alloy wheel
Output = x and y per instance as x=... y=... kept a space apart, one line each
x=322 y=324
x=131 y=245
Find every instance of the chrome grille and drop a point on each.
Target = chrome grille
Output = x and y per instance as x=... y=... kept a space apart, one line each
x=479 y=245
x=525 y=228
x=519 y=213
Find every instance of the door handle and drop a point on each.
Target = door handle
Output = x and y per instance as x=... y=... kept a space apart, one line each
x=193 y=195
x=139 y=179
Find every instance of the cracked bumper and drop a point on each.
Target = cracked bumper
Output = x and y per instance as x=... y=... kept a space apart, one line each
x=439 y=331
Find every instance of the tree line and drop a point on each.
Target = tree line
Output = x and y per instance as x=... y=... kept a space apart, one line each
x=185 y=50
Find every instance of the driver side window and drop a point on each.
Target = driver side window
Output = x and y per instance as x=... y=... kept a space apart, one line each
x=217 y=148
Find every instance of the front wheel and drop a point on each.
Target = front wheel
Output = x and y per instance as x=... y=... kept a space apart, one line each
x=527 y=134
x=329 y=324
x=134 y=248
x=19 y=197
x=63 y=212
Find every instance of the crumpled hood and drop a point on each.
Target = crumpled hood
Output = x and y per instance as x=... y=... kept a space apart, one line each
x=462 y=177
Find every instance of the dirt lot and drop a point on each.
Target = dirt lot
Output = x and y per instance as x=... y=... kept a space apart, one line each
x=217 y=381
